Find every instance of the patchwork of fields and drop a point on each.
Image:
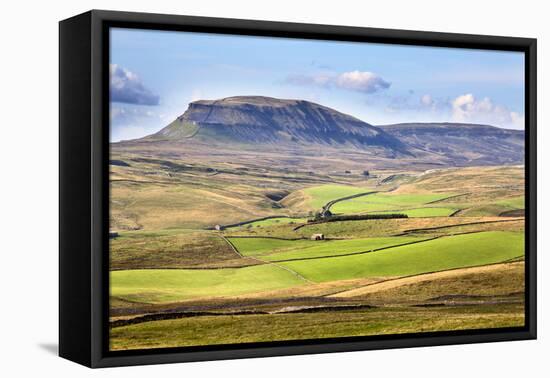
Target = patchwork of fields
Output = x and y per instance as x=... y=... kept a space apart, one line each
x=220 y=252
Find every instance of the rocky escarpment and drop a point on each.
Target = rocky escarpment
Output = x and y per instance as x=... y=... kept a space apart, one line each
x=255 y=119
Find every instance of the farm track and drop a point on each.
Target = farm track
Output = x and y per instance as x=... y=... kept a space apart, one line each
x=419 y=278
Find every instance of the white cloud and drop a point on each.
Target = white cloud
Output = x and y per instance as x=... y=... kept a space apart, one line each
x=126 y=87
x=359 y=81
x=466 y=108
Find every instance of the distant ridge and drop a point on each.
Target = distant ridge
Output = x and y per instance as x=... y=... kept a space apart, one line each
x=292 y=123
x=463 y=143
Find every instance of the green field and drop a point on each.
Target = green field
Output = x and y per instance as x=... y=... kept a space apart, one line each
x=385 y=202
x=320 y=195
x=157 y=286
x=170 y=285
x=430 y=256
x=276 y=250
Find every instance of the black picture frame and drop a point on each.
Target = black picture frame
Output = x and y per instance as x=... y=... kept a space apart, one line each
x=84 y=186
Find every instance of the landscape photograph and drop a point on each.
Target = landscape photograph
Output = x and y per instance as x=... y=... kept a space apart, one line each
x=274 y=190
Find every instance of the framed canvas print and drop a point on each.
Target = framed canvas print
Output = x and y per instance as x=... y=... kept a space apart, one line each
x=233 y=188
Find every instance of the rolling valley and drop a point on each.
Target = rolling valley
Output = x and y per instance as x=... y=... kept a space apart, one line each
x=251 y=219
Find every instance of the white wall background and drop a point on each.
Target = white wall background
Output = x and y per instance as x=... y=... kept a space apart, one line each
x=29 y=215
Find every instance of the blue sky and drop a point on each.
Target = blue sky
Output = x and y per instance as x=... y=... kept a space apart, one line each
x=155 y=74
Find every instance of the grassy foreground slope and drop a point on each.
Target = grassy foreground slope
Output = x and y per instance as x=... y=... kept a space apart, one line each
x=439 y=254
x=208 y=330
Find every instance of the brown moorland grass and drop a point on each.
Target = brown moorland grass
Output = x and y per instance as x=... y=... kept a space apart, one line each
x=482 y=281
x=468 y=180
x=202 y=190
x=154 y=206
x=173 y=249
x=215 y=330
